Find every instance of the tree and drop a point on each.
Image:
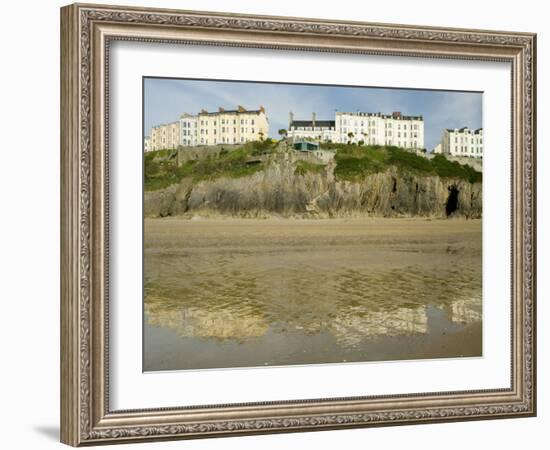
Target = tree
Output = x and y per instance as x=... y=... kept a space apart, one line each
x=261 y=134
x=283 y=133
x=350 y=137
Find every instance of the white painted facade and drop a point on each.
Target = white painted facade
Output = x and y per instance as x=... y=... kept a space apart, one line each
x=188 y=130
x=315 y=130
x=380 y=129
x=368 y=128
x=147 y=144
x=463 y=142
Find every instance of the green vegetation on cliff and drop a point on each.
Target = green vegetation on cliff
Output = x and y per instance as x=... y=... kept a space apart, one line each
x=162 y=169
x=354 y=163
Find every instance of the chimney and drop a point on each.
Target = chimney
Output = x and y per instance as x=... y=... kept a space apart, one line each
x=396 y=114
x=241 y=108
x=313 y=119
x=290 y=119
x=262 y=109
x=220 y=109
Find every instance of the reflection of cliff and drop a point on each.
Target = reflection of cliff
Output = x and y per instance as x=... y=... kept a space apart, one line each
x=220 y=324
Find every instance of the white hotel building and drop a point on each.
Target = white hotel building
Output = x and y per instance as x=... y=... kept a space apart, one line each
x=462 y=142
x=380 y=129
x=368 y=128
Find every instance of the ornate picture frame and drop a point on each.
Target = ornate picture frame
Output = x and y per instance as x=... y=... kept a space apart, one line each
x=87 y=31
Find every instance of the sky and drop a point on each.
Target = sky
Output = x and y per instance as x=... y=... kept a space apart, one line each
x=166 y=99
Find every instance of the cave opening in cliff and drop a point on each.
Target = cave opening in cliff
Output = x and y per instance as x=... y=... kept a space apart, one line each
x=452 y=201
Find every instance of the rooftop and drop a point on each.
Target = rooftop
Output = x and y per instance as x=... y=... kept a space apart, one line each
x=309 y=123
x=465 y=129
x=395 y=115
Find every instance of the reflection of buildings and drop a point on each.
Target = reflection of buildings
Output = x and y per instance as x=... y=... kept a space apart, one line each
x=219 y=324
x=352 y=328
x=464 y=311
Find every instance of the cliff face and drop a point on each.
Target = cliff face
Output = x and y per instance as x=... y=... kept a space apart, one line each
x=279 y=190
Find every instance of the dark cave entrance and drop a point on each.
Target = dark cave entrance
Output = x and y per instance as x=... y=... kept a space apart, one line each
x=452 y=200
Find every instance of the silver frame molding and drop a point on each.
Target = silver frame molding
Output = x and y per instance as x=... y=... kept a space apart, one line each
x=86 y=33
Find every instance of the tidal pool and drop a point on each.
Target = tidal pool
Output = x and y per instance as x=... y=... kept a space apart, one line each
x=224 y=293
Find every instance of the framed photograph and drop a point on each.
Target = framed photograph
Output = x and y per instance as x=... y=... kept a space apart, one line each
x=275 y=224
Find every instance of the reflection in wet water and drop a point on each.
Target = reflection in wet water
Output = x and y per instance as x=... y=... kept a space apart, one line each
x=293 y=295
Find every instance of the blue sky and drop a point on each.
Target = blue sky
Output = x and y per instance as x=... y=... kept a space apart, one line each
x=166 y=99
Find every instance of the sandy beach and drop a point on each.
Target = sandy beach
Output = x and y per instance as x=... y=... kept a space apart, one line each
x=254 y=292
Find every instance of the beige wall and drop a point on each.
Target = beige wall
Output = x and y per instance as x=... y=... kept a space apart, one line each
x=166 y=136
x=231 y=127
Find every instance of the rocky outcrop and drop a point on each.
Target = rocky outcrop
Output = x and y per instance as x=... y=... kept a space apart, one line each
x=279 y=190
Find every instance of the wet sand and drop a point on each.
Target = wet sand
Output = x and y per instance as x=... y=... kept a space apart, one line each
x=255 y=292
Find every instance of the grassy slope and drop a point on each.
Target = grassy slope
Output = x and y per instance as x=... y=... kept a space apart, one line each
x=161 y=169
x=353 y=163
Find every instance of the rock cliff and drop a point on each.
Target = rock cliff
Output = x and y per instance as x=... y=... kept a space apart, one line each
x=281 y=190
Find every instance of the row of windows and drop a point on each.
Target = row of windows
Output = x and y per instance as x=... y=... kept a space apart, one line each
x=228 y=130
x=312 y=128
x=223 y=140
x=466 y=149
x=373 y=132
x=404 y=144
x=228 y=122
x=462 y=140
x=372 y=123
